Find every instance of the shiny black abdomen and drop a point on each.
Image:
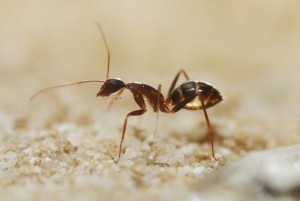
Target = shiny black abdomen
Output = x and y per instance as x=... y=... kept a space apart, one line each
x=205 y=91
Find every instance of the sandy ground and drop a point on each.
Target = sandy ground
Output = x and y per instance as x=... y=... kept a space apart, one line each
x=61 y=146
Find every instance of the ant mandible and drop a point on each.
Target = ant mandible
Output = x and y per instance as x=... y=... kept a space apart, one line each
x=191 y=95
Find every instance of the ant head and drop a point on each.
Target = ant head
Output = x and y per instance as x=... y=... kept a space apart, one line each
x=110 y=86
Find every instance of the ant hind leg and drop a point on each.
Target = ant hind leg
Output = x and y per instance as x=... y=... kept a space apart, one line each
x=181 y=71
x=210 y=128
x=180 y=105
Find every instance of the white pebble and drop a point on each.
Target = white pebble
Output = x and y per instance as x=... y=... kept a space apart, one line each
x=37 y=169
x=100 y=166
x=11 y=155
x=130 y=153
x=32 y=160
x=89 y=153
x=47 y=159
x=62 y=164
x=198 y=170
x=224 y=151
x=184 y=170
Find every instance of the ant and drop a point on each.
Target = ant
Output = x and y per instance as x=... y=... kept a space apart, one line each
x=191 y=95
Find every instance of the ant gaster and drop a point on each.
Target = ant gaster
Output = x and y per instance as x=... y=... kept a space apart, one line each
x=191 y=95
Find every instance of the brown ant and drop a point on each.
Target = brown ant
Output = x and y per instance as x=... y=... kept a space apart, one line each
x=191 y=95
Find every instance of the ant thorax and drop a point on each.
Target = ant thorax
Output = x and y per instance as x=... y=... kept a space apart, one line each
x=146 y=92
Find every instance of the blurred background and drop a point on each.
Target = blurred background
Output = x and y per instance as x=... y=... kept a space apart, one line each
x=246 y=49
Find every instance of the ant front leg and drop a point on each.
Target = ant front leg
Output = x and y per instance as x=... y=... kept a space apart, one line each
x=113 y=99
x=139 y=99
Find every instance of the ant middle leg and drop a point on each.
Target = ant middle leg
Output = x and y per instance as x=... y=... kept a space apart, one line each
x=157 y=107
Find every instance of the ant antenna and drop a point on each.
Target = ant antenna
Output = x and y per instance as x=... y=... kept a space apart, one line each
x=62 y=85
x=85 y=81
x=106 y=47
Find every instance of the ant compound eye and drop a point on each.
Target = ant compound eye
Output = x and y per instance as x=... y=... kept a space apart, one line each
x=110 y=86
x=113 y=83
